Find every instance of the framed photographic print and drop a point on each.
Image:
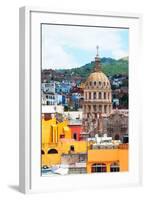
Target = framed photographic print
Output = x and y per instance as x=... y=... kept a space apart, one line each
x=79 y=100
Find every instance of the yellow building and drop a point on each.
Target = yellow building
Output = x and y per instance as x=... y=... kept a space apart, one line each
x=52 y=132
x=108 y=160
x=58 y=147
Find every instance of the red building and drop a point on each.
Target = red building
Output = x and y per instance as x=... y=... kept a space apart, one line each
x=76 y=131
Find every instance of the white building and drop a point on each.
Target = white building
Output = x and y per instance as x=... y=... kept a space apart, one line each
x=48 y=87
x=51 y=109
x=49 y=98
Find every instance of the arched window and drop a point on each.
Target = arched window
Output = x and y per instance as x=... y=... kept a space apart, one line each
x=100 y=95
x=104 y=95
x=52 y=151
x=75 y=136
x=114 y=167
x=98 y=167
x=89 y=95
x=99 y=83
x=94 y=95
x=42 y=152
x=72 y=148
x=94 y=108
x=94 y=83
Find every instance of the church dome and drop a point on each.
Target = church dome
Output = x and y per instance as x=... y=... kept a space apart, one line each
x=97 y=79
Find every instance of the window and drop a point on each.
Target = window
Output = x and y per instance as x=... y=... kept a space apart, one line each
x=125 y=138
x=62 y=136
x=75 y=136
x=94 y=95
x=99 y=83
x=99 y=167
x=117 y=137
x=46 y=85
x=94 y=83
x=89 y=95
x=108 y=95
x=104 y=95
x=114 y=167
x=94 y=108
x=42 y=152
x=72 y=148
x=100 y=108
x=52 y=151
x=100 y=95
x=105 y=108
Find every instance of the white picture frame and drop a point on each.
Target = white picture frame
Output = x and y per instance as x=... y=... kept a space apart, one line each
x=30 y=141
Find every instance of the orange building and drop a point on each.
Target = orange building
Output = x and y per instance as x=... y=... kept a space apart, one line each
x=108 y=160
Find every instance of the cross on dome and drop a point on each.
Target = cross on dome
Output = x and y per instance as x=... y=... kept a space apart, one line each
x=97 y=47
x=97 y=61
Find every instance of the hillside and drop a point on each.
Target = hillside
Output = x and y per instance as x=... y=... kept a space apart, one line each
x=109 y=66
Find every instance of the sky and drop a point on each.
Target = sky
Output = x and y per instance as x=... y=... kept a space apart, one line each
x=65 y=47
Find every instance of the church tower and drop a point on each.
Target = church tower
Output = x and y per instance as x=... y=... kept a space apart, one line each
x=97 y=99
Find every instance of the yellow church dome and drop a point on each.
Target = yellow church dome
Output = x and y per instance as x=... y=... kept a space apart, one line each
x=97 y=79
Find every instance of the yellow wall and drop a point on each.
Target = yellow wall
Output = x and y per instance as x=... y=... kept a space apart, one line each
x=108 y=156
x=123 y=159
x=47 y=130
x=102 y=155
x=50 y=159
x=51 y=131
x=61 y=147
x=79 y=146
